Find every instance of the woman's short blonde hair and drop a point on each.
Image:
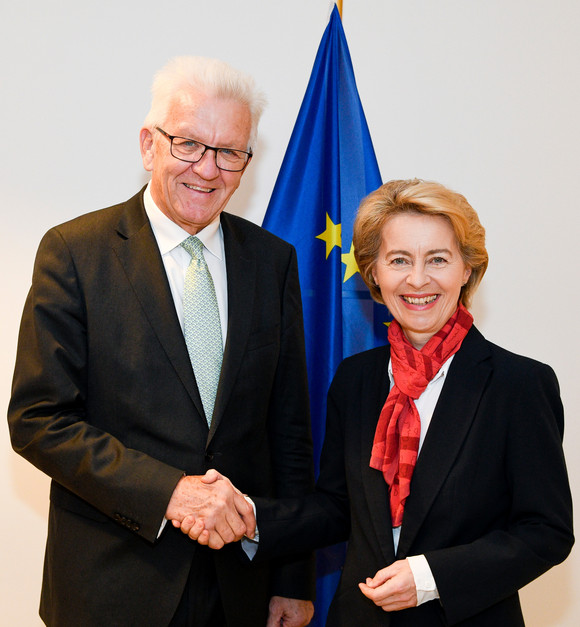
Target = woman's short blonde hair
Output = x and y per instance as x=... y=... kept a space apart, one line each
x=422 y=197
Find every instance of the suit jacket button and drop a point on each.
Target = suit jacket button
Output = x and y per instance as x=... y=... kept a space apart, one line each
x=209 y=457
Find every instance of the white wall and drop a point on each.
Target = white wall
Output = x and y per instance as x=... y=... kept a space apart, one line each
x=480 y=95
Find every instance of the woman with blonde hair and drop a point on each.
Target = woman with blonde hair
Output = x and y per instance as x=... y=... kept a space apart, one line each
x=442 y=463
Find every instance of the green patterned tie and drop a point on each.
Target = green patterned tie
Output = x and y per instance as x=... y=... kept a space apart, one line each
x=201 y=325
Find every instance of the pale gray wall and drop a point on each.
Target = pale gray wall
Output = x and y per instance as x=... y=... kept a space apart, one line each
x=480 y=95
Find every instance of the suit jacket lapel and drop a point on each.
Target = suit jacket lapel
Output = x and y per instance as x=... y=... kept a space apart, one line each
x=139 y=255
x=452 y=418
x=375 y=390
x=241 y=280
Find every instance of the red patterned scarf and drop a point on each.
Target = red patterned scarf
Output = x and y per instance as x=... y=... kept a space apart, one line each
x=396 y=443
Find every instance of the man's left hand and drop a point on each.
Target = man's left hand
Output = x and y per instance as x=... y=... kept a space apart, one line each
x=289 y=612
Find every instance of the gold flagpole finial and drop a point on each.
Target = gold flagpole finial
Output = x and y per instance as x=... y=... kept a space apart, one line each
x=339 y=5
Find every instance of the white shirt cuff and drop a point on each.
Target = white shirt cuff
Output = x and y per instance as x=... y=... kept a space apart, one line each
x=424 y=580
x=162 y=527
x=250 y=546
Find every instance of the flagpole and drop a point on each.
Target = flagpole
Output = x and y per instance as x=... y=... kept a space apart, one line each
x=339 y=6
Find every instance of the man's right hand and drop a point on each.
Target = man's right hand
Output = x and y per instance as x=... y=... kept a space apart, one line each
x=209 y=509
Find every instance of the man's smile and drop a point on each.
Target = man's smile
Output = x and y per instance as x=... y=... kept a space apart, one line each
x=197 y=188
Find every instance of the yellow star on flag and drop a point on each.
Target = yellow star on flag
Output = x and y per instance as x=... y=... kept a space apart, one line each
x=350 y=263
x=332 y=235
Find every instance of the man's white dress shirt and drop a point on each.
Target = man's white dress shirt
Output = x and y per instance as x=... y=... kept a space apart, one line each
x=169 y=236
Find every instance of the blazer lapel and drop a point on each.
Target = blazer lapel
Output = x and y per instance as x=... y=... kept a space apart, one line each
x=375 y=390
x=452 y=418
x=241 y=280
x=139 y=255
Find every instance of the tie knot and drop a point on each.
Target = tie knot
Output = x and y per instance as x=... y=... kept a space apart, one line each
x=194 y=246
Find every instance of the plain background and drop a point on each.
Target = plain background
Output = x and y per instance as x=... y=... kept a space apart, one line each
x=481 y=95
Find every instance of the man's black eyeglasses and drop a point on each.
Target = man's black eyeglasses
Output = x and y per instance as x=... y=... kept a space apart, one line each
x=190 y=150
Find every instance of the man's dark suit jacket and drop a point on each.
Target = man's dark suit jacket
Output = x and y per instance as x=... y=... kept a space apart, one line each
x=105 y=402
x=490 y=505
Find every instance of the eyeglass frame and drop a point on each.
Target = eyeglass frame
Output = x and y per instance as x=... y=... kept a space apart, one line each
x=205 y=149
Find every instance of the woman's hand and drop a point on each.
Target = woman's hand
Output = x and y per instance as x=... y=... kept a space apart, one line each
x=392 y=588
x=241 y=516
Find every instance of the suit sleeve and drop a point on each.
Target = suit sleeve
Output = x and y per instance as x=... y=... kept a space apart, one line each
x=290 y=435
x=47 y=412
x=321 y=518
x=538 y=529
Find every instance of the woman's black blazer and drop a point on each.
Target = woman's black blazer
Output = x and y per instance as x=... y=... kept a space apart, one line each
x=490 y=505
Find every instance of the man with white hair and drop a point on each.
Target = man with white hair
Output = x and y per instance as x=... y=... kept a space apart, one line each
x=161 y=338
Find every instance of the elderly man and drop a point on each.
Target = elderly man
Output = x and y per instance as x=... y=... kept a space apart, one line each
x=161 y=338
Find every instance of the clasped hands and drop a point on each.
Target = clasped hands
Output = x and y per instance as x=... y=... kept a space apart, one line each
x=209 y=509
x=212 y=511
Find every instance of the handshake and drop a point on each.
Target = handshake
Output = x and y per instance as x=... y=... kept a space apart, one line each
x=210 y=510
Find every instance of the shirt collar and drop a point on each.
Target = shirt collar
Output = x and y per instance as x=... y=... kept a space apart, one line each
x=169 y=235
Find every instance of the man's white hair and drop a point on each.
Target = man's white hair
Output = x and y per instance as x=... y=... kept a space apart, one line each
x=208 y=76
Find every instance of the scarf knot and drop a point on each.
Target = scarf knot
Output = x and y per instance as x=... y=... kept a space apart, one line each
x=396 y=442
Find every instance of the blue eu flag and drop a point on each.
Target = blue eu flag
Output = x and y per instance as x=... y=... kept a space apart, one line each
x=329 y=166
